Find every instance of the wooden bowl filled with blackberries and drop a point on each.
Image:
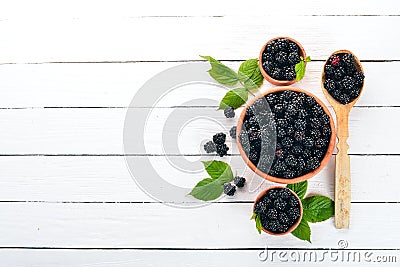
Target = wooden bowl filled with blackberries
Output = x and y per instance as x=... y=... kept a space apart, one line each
x=278 y=58
x=279 y=209
x=287 y=135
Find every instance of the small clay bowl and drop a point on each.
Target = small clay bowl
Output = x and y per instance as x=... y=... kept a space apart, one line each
x=306 y=176
x=294 y=226
x=266 y=75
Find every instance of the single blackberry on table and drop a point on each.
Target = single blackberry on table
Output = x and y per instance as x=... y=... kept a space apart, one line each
x=239 y=181
x=219 y=138
x=272 y=214
x=222 y=150
x=210 y=147
x=229 y=112
x=232 y=132
x=347 y=83
x=229 y=189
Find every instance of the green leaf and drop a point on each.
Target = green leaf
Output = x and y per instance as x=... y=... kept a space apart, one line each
x=299 y=188
x=300 y=69
x=207 y=189
x=209 y=58
x=219 y=170
x=308 y=59
x=303 y=231
x=221 y=73
x=253 y=216
x=317 y=208
x=250 y=75
x=234 y=98
x=258 y=224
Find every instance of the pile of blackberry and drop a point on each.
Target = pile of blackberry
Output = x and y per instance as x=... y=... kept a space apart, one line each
x=343 y=79
x=217 y=145
x=288 y=139
x=280 y=58
x=279 y=209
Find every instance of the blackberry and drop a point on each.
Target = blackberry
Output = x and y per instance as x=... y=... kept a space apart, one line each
x=315 y=123
x=287 y=142
x=307 y=153
x=289 y=174
x=347 y=83
x=268 y=66
x=222 y=150
x=275 y=73
x=293 y=47
x=299 y=136
x=325 y=119
x=219 y=138
x=232 y=132
x=280 y=131
x=272 y=99
x=319 y=154
x=272 y=193
x=293 y=202
x=272 y=214
x=312 y=163
x=315 y=134
x=288 y=73
x=249 y=112
x=330 y=85
x=329 y=71
x=273 y=226
x=344 y=98
x=239 y=181
x=254 y=157
x=209 y=147
x=321 y=143
x=293 y=213
x=339 y=73
x=308 y=142
x=266 y=56
x=285 y=193
x=317 y=111
x=280 y=204
x=283 y=218
x=310 y=101
x=293 y=58
x=300 y=124
x=291 y=161
x=358 y=78
x=229 y=189
x=302 y=114
x=229 y=112
x=297 y=150
x=261 y=206
x=326 y=130
x=282 y=44
x=271 y=47
x=281 y=58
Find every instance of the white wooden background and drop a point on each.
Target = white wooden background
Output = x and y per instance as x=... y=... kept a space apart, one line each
x=68 y=70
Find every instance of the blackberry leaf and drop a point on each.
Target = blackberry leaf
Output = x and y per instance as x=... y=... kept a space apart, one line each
x=234 y=98
x=221 y=73
x=207 y=189
x=258 y=224
x=303 y=231
x=299 y=188
x=249 y=73
x=317 y=208
x=219 y=170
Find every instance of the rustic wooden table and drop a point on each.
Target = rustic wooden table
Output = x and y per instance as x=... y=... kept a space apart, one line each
x=68 y=71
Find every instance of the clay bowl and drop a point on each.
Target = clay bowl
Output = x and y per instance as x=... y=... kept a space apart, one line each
x=306 y=176
x=266 y=75
x=294 y=226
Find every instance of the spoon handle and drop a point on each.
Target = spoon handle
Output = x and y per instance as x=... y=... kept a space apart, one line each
x=342 y=171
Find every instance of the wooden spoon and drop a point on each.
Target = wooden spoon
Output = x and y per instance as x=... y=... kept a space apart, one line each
x=342 y=171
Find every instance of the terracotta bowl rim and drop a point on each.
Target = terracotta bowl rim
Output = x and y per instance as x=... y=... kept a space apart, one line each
x=262 y=193
x=265 y=74
x=306 y=176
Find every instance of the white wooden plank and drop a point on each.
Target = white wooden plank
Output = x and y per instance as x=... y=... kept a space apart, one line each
x=100 y=131
x=125 y=8
x=159 y=226
x=114 y=85
x=106 y=179
x=192 y=258
x=177 y=38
